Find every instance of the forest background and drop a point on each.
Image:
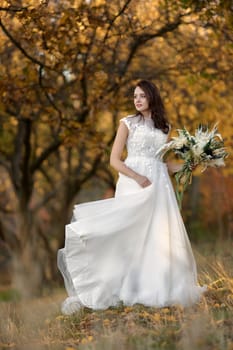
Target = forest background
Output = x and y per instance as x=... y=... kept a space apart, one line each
x=67 y=72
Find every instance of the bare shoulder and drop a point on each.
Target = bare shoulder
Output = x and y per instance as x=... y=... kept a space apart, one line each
x=128 y=117
x=129 y=120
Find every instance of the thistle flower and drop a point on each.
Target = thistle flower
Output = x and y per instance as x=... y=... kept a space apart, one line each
x=205 y=148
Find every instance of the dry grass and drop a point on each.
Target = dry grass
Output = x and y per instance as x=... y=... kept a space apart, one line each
x=37 y=324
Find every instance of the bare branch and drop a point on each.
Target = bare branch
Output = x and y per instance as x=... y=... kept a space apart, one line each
x=48 y=178
x=105 y=174
x=141 y=39
x=95 y=165
x=45 y=154
x=13 y=9
x=50 y=195
x=17 y=44
x=83 y=80
x=168 y=27
x=26 y=178
x=50 y=100
x=17 y=155
x=122 y=10
x=45 y=240
x=5 y=165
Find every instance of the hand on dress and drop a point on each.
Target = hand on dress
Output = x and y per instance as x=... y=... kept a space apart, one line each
x=143 y=181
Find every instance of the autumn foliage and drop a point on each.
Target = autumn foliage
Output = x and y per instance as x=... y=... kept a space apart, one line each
x=67 y=70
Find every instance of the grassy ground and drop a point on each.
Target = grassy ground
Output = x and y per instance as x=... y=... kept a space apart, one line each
x=38 y=324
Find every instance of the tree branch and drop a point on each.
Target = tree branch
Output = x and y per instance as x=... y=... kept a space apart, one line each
x=45 y=154
x=83 y=80
x=17 y=156
x=50 y=100
x=13 y=9
x=92 y=171
x=105 y=174
x=45 y=240
x=122 y=10
x=23 y=51
x=49 y=179
x=47 y=198
x=168 y=27
x=26 y=178
x=141 y=39
x=5 y=165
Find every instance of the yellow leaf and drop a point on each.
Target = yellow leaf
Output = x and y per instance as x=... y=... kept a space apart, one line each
x=156 y=317
x=165 y=310
x=106 y=321
x=171 y=318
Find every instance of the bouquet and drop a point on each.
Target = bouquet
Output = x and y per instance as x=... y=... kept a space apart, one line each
x=204 y=148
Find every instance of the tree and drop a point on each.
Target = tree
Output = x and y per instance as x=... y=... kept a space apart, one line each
x=65 y=66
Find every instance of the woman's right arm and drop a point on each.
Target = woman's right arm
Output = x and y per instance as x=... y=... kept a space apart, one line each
x=116 y=154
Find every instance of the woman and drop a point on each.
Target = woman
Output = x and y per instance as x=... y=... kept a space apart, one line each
x=132 y=248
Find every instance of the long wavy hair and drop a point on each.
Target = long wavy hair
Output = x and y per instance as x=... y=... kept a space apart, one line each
x=156 y=105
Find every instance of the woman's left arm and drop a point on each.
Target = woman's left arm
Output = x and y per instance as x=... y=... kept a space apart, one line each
x=173 y=167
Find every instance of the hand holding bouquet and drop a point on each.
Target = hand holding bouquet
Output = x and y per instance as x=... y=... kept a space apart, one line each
x=204 y=148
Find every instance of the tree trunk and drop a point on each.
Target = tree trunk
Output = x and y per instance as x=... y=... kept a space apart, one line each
x=27 y=274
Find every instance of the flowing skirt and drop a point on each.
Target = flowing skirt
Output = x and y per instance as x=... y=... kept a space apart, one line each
x=132 y=248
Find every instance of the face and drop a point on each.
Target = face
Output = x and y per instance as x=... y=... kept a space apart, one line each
x=140 y=100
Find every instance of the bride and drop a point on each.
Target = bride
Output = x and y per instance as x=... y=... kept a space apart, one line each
x=132 y=248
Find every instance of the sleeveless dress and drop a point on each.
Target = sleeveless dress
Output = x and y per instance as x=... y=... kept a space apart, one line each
x=132 y=248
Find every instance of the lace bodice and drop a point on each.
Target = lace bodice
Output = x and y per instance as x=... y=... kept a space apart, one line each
x=143 y=142
x=144 y=139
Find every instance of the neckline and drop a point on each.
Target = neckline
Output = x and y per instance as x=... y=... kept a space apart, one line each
x=148 y=120
x=142 y=116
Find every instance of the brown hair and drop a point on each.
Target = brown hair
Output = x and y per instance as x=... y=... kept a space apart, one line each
x=155 y=104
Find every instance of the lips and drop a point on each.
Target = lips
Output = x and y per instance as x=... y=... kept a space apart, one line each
x=138 y=105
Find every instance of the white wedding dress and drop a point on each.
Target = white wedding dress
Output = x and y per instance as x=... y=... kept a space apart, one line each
x=132 y=248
